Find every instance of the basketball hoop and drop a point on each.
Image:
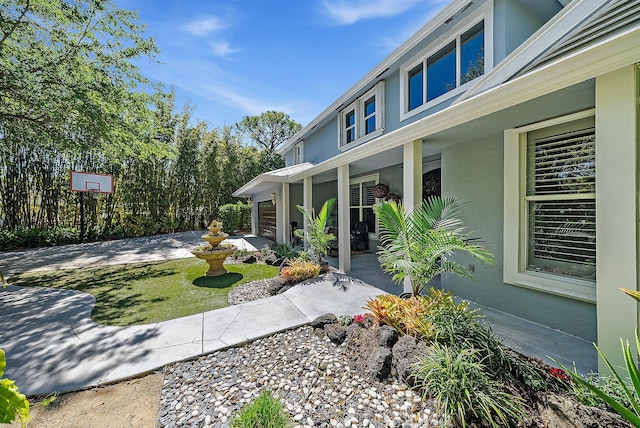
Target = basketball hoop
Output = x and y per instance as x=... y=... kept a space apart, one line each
x=95 y=193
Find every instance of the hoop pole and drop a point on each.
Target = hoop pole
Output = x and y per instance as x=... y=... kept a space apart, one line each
x=82 y=225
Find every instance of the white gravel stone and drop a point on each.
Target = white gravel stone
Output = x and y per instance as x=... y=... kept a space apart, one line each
x=211 y=389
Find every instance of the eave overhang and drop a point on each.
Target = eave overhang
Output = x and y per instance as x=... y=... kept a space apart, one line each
x=266 y=180
x=611 y=54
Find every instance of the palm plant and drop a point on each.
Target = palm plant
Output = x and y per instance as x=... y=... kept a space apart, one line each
x=420 y=245
x=316 y=234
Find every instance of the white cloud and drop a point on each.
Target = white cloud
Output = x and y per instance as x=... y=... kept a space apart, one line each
x=222 y=49
x=202 y=27
x=348 y=12
x=250 y=105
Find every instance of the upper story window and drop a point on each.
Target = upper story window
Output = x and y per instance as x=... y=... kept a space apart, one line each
x=440 y=73
x=298 y=153
x=363 y=119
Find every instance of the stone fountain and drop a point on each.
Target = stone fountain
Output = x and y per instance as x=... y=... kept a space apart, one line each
x=215 y=253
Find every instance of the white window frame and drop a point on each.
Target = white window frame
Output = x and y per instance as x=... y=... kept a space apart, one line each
x=357 y=106
x=298 y=153
x=485 y=14
x=516 y=219
x=360 y=180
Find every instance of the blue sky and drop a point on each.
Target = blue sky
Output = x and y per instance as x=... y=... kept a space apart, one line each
x=232 y=58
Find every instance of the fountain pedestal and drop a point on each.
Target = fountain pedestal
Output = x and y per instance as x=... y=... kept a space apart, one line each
x=215 y=253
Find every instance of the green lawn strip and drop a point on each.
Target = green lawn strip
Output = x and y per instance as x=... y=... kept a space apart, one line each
x=143 y=293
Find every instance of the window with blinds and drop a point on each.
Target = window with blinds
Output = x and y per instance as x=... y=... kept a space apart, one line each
x=560 y=199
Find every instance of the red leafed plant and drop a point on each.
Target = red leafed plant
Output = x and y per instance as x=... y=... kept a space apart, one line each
x=558 y=373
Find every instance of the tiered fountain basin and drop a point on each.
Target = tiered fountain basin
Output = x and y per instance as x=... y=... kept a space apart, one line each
x=215 y=253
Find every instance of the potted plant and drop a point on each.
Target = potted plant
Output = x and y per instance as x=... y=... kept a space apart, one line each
x=419 y=245
x=316 y=234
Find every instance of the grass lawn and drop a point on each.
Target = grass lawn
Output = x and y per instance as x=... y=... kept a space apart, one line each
x=143 y=293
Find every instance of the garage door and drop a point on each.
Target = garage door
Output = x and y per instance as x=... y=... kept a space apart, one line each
x=267 y=220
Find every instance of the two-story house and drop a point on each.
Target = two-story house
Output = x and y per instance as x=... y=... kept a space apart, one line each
x=527 y=110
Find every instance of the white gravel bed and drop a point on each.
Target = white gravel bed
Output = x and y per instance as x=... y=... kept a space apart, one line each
x=249 y=291
x=309 y=374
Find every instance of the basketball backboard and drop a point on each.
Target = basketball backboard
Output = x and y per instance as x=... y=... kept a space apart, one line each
x=89 y=182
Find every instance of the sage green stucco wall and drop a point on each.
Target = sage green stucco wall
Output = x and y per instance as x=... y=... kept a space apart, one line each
x=473 y=172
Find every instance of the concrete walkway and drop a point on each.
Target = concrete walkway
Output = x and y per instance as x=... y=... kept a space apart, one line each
x=52 y=344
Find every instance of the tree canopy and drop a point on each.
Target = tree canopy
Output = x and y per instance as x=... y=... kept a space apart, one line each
x=73 y=98
x=67 y=71
x=268 y=130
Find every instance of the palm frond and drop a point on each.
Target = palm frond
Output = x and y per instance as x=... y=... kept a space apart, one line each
x=419 y=245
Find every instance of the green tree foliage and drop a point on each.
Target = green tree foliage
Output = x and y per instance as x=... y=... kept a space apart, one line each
x=152 y=194
x=72 y=98
x=67 y=70
x=268 y=131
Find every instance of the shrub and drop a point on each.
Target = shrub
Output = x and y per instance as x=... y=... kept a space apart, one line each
x=60 y=236
x=463 y=389
x=299 y=270
x=317 y=235
x=283 y=250
x=266 y=411
x=366 y=320
x=240 y=253
x=407 y=316
x=235 y=216
x=457 y=324
x=345 y=320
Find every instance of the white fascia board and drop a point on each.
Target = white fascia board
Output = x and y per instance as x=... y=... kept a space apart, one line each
x=276 y=176
x=451 y=9
x=619 y=51
x=556 y=28
x=245 y=190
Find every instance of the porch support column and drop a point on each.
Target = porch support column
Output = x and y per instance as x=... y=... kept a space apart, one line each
x=344 y=223
x=307 y=202
x=283 y=205
x=616 y=210
x=411 y=183
x=254 y=216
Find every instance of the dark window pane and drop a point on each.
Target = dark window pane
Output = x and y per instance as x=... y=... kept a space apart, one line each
x=350 y=118
x=355 y=215
x=472 y=53
x=370 y=125
x=416 y=87
x=369 y=218
x=441 y=71
x=370 y=106
x=350 y=135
